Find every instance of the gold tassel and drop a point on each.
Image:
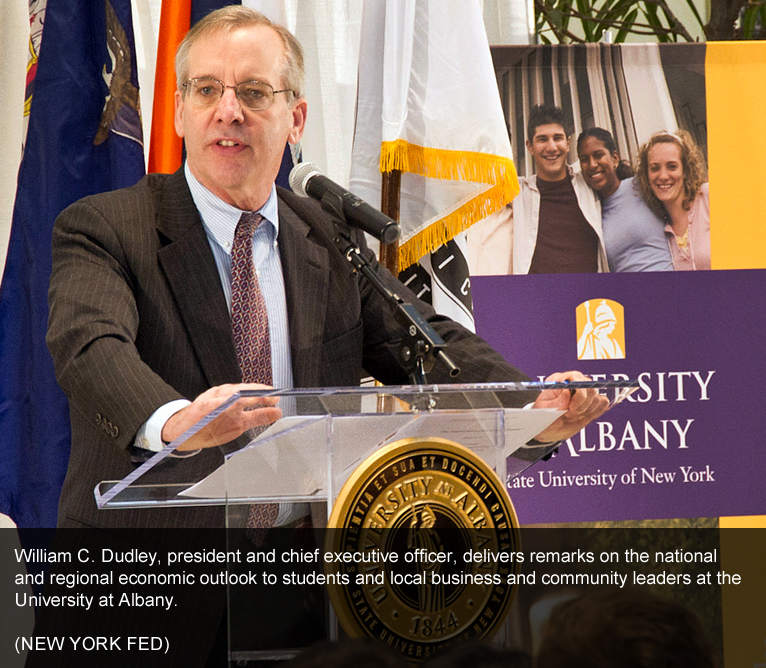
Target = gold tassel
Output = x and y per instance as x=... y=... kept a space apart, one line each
x=457 y=221
x=456 y=166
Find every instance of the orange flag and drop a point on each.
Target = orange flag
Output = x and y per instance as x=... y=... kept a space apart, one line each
x=166 y=147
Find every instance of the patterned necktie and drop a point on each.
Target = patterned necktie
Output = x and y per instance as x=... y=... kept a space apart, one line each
x=249 y=319
x=250 y=324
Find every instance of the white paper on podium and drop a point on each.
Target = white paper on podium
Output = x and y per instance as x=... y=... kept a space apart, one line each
x=289 y=461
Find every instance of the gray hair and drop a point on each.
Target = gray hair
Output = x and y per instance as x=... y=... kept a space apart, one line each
x=231 y=18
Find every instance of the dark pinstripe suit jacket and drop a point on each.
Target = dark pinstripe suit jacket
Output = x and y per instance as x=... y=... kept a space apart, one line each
x=138 y=318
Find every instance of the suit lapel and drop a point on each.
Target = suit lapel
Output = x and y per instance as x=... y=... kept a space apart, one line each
x=306 y=269
x=188 y=264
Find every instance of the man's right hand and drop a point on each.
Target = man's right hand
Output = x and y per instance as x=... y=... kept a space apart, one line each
x=246 y=413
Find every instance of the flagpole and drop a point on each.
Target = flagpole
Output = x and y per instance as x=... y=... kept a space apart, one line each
x=390 y=191
x=389 y=204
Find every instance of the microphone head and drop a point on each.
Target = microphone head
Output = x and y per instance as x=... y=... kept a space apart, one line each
x=299 y=176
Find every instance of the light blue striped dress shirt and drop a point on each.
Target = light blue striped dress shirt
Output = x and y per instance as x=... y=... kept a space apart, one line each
x=220 y=221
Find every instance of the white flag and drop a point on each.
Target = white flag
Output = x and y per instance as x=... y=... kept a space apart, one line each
x=428 y=105
x=328 y=30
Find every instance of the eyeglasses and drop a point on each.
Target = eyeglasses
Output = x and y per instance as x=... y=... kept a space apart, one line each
x=207 y=91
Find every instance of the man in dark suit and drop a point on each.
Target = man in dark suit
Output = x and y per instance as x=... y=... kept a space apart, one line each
x=143 y=333
x=140 y=328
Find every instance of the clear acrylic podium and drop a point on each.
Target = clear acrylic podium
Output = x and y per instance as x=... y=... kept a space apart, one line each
x=323 y=436
x=325 y=433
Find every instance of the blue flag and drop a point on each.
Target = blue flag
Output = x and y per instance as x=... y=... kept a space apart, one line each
x=84 y=137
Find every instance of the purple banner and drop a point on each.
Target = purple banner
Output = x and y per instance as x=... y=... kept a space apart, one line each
x=689 y=442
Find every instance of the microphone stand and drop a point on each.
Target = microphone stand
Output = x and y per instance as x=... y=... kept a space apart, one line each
x=421 y=345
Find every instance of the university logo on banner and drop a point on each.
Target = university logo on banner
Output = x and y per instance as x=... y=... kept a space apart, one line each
x=600 y=330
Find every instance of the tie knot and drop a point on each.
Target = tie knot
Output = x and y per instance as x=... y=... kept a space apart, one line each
x=247 y=224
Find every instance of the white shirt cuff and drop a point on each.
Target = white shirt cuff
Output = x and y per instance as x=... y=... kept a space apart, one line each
x=149 y=436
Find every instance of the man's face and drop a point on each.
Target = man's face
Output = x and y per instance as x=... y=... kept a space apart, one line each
x=233 y=151
x=549 y=148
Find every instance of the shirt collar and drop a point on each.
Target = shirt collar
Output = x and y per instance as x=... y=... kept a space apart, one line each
x=220 y=219
x=533 y=180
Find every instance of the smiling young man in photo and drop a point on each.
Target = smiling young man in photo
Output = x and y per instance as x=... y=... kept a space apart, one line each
x=556 y=216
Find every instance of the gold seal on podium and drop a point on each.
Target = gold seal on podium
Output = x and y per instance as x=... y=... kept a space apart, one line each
x=428 y=539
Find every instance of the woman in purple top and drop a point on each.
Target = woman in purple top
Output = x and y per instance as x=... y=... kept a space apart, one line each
x=633 y=234
x=673 y=180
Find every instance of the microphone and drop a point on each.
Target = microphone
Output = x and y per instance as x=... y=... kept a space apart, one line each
x=307 y=181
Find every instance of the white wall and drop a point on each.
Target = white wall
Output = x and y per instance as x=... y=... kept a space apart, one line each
x=14 y=39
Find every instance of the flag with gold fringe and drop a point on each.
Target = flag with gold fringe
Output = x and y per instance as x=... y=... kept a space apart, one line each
x=428 y=105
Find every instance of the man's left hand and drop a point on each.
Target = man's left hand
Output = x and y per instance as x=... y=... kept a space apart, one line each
x=581 y=406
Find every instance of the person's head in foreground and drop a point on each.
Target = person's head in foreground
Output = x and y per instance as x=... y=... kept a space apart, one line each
x=628 y=628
